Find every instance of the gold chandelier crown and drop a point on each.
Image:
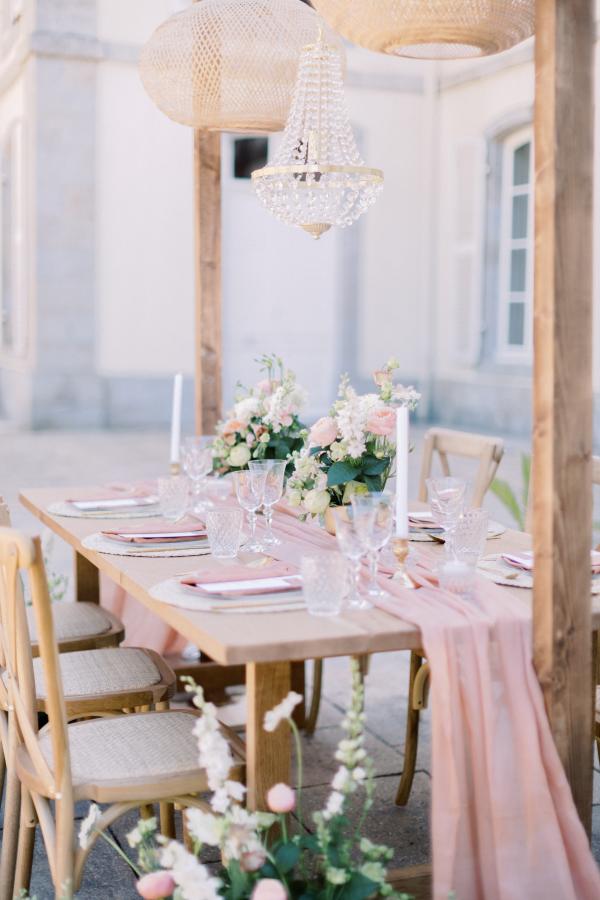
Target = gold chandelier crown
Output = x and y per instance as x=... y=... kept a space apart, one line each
x=431 y=29
x=317 y=178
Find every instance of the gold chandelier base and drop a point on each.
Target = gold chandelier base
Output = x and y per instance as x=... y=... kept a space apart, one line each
x=316 y=229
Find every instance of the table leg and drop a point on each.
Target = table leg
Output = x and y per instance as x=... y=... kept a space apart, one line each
x=267 y=753
x=87 y=580
x=299 y=685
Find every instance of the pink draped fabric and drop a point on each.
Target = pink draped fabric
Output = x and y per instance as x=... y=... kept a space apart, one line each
x=504 y=825
x=142 y=627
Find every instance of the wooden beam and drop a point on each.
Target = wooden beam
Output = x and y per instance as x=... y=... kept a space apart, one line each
x=562 y=435
x=413 y=880
x=207 y=202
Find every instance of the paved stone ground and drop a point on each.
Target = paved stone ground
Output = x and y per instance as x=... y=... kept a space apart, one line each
x=76 y=458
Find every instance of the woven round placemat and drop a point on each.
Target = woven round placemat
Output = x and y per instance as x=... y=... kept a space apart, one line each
x=495 y=529
x=62 y=508
x=501 y=572
x=173 y=593
x=115 y=548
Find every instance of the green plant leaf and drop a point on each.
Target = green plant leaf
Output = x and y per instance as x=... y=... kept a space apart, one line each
x=371 y=465
x=286 y=857
x=373 y=482
x=506 y=495
x=358 y=888
x=341 y=472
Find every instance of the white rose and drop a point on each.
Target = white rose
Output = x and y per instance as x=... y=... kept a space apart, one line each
x=294 y=498
x=265 y=437
x=316 y=502
x=239 y=456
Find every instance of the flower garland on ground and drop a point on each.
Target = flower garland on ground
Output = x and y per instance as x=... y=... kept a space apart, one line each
x=264 y=421
x=350 y=451
x=334 y=862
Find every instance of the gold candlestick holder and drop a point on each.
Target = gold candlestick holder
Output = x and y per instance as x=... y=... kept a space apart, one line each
x=400 y=550
x=175 y=468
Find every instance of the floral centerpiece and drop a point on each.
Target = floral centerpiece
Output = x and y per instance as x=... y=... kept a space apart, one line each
x=264 y=421
x=262 y=857
x=351 y=450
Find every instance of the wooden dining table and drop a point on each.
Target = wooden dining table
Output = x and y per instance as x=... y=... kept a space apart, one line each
x=266 y=644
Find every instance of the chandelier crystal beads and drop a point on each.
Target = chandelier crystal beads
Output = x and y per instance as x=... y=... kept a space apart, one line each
x=229 y=65
x=431 y=29
x=317 y=178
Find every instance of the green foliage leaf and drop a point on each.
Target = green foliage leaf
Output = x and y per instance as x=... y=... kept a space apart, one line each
x=358 y=888
x=309 y=842
x=506 y=495
x=341 y=472
x=268 y=871
x=373 y=482
x=371 y=465
x=286 y=857
x=238 y=881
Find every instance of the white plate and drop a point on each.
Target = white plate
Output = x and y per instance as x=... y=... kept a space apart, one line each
x=495 y=529
x=118 y=548
x=175 y=594
x=61 y=508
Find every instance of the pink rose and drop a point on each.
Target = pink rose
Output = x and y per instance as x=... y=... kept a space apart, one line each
x=156 y=885
x=232 y=426
x=281 y=798
x=269 y=889
x=253 y=860
x=323 y=433
x=382 y=421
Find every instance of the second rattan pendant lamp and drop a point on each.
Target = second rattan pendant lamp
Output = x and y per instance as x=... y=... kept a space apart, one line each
x=431 y=29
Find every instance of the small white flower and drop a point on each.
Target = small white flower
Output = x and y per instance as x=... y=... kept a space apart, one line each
x=359 y=774
x=88 y=826
x=283 y=710
x=337 y=876
x=204 y=827
x=340 y=779
x=193 y=879
x=335 y=805
x=145 y=828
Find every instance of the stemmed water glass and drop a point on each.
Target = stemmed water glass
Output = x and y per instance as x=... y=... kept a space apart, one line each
x=446 y=501
x=197 y=461
x=351 y=544
x=374 y=516
x=274 y=470
x=250 y=489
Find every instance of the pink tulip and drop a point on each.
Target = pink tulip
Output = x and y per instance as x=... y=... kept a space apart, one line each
x=156 y=885
x=382 y=421
x=281 y=798
x=323 y=433
x=269 y=889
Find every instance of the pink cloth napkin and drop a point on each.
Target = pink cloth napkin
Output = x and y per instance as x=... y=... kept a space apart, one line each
x=504 y=824
x=217 y=574
x=525 y=560
x=159 y=532
x=115 y=491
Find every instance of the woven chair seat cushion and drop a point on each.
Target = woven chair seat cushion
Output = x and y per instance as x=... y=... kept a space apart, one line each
x=73 y=620
x=109 y=671
x=140 y=747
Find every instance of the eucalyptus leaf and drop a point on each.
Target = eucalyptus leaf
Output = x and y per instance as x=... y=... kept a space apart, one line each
x=286 y=857
x=358 y=888
x=341 y=472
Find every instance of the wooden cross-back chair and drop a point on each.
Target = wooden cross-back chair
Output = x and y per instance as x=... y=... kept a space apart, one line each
x=124 y=761
x=488 y=451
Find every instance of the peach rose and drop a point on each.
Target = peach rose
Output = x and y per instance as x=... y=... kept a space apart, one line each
x=281 y=798
x=323 y=433
x=269 y=889
x=382 y=421
x=156 y=885
x=232 y=426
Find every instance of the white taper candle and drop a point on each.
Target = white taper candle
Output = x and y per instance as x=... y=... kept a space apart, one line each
x=176 y=418
x=402 y=472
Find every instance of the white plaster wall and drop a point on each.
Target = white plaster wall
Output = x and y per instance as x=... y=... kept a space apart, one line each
x=144 y=225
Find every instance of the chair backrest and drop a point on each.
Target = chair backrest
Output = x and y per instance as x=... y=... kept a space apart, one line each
x=4 y=514
x=22 y=556
x=488 y=450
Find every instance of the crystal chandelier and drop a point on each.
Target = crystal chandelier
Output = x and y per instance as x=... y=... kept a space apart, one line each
x=317 y=178
x=431 y=29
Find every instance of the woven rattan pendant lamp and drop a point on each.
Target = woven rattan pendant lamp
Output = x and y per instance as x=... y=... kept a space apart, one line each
x=431 y=29
x=229 y=65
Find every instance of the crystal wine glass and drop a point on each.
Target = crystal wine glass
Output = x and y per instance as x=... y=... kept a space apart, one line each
x=447 y=501
x=197 y=461
x=374 y=522
x=249 y=489
x=351 y=544
x=274 y=470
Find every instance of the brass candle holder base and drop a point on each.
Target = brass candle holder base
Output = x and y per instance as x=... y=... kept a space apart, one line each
x=175 y=469
x=400 y=550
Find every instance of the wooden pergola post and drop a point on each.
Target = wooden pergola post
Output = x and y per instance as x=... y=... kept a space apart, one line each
x=207 y=255
x=562 y=434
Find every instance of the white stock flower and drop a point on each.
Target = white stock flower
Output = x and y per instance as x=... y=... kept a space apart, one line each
x=335 y=805
x=204 y=827
x=193 y=879
x=247 y=409
x=88 y=826
x=283 y=710
x=341 y=779
x=222 y=797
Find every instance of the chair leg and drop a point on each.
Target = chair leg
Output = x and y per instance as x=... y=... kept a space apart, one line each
x=2 y=770
x=310 y=722
x=10 y=834
x=411 y=741
x=26 y=844
x=167 y=820
x=64 y=885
